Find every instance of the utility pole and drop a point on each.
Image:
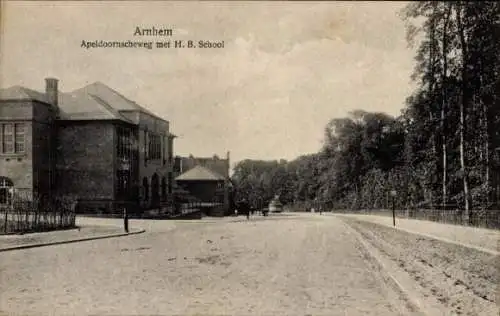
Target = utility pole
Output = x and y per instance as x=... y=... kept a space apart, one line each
x=125 y=219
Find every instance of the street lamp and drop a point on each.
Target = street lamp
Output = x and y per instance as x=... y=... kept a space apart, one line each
x=393 y=195
x=125 y=220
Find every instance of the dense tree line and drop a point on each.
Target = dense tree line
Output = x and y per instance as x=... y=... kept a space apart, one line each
x=443 y=151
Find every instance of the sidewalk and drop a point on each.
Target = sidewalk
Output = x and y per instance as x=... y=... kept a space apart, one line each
x=83 y=233
x=478 y=238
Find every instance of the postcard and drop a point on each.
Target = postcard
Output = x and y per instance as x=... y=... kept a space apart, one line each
x=249 y=158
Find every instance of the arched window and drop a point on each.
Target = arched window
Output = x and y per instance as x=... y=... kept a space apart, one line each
x=164 y=188
x=145 y=188
x=6 y=186
x=155 y=189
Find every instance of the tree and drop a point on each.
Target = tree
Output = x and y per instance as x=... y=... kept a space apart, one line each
x=441 y=149
x=457 y=51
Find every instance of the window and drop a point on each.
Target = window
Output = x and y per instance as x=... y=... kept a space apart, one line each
x=145 y=187
x=170 y=182
x=7 y=138
x=154 y=147
x=125 y=160
x=178 y=165
x=124 y=143
x=127 y=145
x=164 y=188
x=164 y=143
x=158 y=147
x=146 y=147
x=5 y=190
x=155 y=189
x=19 y=138
x=170 y=152
x=123 y=184
x=12 y=138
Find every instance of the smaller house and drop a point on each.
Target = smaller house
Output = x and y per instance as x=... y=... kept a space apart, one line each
x=202 y=178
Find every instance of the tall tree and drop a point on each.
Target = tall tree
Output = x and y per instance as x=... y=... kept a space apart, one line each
x=444 y=101
x=457 y=40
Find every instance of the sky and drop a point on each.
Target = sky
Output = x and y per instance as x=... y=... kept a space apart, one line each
x=285 y=71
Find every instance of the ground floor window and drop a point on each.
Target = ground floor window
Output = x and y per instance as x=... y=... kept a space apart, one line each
x=123 y=183
x=145 y=188
x=155 y=189
x=164 y=188
x=6 y=187
x=170 y=182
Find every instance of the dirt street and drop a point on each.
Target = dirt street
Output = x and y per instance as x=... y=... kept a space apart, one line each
x=286 y=265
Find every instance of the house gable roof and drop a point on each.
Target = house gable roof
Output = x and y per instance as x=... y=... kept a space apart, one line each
x=113 y=98
x=21 y=93
x=95 y=101
x=86 y=107
x=198 y=173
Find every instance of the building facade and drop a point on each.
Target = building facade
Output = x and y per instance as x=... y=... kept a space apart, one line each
x=206 y=179
x=92 y=144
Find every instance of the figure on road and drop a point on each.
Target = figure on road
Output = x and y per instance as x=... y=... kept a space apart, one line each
x=244 y=207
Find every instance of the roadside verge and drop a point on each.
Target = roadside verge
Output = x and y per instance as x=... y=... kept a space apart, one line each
x=483 y=240
x=398 y=291
x=443 y=278
x=26 y=244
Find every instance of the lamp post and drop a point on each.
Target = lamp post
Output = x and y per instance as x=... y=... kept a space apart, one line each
x=125 y=220
x=393 y=195
x=125 y=169
x=497 y=177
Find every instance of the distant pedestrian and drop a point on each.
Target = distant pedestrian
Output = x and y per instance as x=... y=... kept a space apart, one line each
x=248 y=213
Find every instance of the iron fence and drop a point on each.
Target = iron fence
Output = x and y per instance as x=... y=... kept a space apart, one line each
x=476 y=218
x=24 y=216
x=115 y=209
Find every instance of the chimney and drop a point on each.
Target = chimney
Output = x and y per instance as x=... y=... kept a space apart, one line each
x=51 y=91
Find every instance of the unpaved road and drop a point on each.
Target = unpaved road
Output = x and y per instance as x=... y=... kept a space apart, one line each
x=286 y=265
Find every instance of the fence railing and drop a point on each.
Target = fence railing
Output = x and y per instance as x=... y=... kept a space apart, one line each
x=114 y=209
x=210 y=208
x=24 y=217
x=476 y=218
